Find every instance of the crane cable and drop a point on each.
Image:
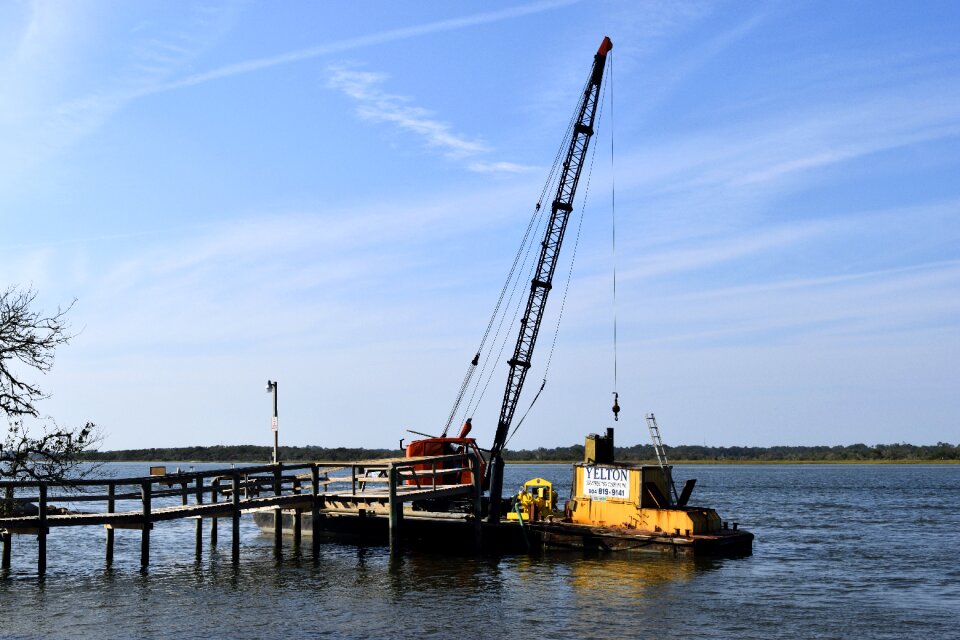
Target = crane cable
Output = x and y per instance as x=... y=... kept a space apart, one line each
x=474 y=399
x=613 y=248
x=537 y=217
x=533 y=224
x=471 y=405
x=573 y=259
x=465 y=384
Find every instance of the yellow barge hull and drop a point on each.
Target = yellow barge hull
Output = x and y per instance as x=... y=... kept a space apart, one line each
x=562 y=535
x=443 y=531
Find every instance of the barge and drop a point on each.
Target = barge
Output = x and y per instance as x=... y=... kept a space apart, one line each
x=614 y=506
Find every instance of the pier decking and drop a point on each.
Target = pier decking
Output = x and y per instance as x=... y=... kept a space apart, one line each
x=381 y=485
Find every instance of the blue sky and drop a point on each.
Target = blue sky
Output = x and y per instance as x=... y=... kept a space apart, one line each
x=330 y=195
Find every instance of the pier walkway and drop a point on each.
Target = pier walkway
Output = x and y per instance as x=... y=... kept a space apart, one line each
x=313 y=487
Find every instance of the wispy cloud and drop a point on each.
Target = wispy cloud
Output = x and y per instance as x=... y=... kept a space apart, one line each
x=378 y=106
x=852 y=306
x=38 y=131
x=58 y=94
x=939 y=269
x=661 y=87
x=359 y=42
x=499 y=167
x=714 y=178
x=297 y=271
x=640 y=30
x=713 y=252
x=758 y=287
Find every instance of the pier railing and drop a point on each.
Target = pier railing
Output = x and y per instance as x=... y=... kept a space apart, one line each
x=143 y=501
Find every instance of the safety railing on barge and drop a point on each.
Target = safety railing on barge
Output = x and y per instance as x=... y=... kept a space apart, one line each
x=227 y=493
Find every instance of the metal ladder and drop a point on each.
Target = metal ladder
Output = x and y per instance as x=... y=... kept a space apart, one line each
x=661 y=455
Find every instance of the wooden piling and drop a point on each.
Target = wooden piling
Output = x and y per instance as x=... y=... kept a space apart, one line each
x=111 y=507
x=198 y=527
x=277 y=513
x=235 y=498
x=297 y=518
x=214 y=497
x=315 y=512
x=145 y=490
x=42 y=531
x=395 y=507
x=7 y=541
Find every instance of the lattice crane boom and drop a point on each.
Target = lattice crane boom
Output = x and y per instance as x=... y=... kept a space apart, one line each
x=542 y=281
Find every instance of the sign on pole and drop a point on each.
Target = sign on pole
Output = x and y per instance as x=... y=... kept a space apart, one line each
x=273 y=423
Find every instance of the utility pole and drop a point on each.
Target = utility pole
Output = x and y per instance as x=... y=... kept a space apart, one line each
x=272 y=386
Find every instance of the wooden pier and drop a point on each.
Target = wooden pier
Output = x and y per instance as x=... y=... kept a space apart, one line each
x=225 y=494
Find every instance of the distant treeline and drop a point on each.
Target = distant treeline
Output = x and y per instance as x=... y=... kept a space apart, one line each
x=239 y=453
x=638 y=453
x=697 y=453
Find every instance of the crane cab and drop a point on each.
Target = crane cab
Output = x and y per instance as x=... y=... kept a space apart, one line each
x=444 y=447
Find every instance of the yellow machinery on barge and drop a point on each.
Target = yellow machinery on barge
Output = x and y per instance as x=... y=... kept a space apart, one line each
x=625 y=506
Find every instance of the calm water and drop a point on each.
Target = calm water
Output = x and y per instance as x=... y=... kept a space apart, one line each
x=841 y=552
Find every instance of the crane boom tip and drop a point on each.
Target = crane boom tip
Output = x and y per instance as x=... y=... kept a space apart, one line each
x=605 y=46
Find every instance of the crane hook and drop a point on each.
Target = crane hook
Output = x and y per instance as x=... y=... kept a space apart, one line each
x=616 y=406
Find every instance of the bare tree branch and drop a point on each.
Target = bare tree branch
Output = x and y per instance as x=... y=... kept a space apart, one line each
x=28 y=340
x=29 y=337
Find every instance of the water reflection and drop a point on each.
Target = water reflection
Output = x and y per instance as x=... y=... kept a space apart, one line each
x=418 y=574
x=626 y=576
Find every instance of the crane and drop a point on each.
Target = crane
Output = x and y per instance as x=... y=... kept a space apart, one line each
x=542 y=280
x=492 y=472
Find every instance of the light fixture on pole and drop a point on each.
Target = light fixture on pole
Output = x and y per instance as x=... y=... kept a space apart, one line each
x=272 y=386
